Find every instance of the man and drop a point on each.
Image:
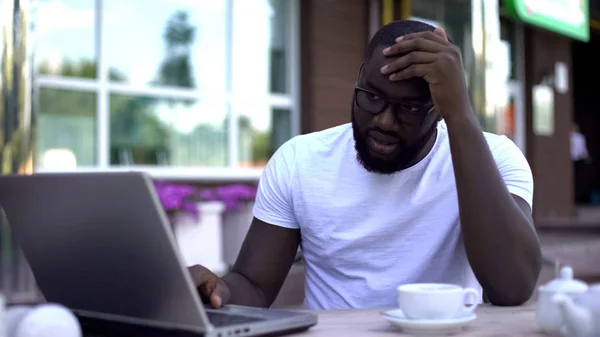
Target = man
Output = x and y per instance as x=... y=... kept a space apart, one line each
x=411 y=191
x=581 y=159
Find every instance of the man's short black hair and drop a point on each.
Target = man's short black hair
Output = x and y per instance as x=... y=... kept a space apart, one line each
x=387 y=35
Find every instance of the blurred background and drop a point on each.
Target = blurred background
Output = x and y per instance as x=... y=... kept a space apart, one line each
x=202 y=92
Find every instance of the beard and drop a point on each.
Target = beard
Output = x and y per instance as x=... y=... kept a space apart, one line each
x=402 y=160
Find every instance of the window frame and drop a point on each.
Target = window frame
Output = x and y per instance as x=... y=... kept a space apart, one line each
x=104 y=88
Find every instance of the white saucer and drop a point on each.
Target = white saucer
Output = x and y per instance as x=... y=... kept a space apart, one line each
x=428 y=327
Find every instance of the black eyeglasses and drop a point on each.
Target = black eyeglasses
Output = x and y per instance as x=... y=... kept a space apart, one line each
x=372 y=102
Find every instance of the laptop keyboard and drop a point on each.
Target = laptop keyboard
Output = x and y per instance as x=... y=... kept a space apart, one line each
x=219 y=319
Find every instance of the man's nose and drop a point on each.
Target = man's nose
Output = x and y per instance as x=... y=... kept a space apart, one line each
x=386 y=120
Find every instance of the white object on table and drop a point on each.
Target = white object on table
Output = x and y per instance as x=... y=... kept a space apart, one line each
x=43 y=321
x=548 y=315
x=13 y=317
x=435 y=300
x=581 y=316
x=429 y=327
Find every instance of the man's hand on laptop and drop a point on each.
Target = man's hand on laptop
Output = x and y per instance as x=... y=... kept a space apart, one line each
x=210 y=287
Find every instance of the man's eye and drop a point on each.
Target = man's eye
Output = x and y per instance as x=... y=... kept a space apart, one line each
x=413 y=108
x=373 y=97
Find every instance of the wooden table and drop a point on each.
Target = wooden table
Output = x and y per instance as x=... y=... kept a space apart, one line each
x=491 y=321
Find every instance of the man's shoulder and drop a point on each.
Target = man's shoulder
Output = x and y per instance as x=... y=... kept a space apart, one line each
x=318 y=140
x=325 y=136
x=498 y=143
x=505 y=151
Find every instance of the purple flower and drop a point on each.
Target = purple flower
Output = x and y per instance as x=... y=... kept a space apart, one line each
x=233 y=195
x=182 y=199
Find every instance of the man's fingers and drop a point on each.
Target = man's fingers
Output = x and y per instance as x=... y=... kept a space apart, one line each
x=406 y=46
x=211 y=288
x=415 y=57
x=215 y=300
x=429 y=35
x=200 y=274
x=414 y=70
x=441 y=32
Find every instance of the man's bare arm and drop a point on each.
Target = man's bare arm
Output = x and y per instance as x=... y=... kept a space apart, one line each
x=498 y=232
x=262 y=265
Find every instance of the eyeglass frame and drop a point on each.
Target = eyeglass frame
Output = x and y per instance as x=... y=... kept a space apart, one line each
x=405 y=107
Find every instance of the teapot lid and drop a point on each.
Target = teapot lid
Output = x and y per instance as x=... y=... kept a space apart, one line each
x=566 y=283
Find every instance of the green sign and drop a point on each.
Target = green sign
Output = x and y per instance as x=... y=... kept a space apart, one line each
x=566 y=17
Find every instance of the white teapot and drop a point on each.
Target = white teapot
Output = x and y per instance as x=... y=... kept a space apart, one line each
x=548 y=313
x=581 y=315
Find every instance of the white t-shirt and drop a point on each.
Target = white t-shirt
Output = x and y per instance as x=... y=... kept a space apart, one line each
x=363 y=234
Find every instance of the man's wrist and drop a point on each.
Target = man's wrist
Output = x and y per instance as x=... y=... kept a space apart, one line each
x=465 y=118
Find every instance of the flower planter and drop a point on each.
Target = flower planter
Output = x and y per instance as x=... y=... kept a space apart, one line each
x=235 y=227
x=200 y=240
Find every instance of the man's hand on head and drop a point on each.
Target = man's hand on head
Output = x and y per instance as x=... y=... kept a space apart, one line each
x=431 y=56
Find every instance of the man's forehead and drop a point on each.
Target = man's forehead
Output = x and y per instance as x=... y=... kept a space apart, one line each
x=377 y=59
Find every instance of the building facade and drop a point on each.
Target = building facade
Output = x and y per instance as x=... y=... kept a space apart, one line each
x=518 y=66
x=208 y=90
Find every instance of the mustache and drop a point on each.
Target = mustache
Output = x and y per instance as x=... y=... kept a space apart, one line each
x=383 y=133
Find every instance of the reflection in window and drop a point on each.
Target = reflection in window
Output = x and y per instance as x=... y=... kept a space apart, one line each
x=279 y=37
x=261 y=134
x=224 y=55
x=66 y=124
x=258 y=51
x=65 y=36
x=153 y=131
x=167 y=43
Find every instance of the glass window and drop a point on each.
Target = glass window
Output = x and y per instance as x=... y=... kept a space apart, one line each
x=66 y=39
x=66 y=125
x=259 y=55
x=204 y=60
x=167 y=132
x=507 y=38
x=167 y=43
x=262 y=131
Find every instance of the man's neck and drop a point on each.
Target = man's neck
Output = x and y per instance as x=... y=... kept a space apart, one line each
x=426 y=149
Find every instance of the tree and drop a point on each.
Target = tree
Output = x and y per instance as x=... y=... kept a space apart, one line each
x=176 y=69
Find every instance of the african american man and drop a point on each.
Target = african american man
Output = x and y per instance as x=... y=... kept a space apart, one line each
x=411 y=191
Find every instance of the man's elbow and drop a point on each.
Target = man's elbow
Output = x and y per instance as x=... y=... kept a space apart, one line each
x=511 y=298
x=516 y=290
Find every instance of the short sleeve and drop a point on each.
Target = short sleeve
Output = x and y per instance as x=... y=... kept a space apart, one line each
x=514 y=169
x=273 y=203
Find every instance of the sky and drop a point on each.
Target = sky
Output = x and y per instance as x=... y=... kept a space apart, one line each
x=133 y=44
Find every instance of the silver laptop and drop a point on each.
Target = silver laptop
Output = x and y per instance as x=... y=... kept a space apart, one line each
x=101 y=244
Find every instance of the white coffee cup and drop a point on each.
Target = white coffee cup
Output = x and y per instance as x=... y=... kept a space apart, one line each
x=435 y=300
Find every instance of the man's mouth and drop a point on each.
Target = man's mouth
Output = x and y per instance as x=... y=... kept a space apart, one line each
x=383 y=144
